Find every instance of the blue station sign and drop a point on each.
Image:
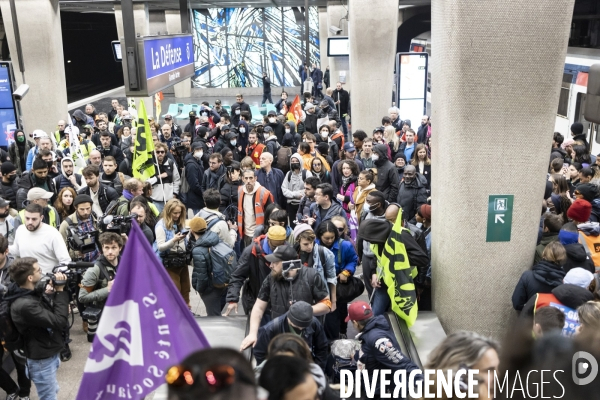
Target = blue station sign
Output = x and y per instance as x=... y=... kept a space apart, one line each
x=168 y=60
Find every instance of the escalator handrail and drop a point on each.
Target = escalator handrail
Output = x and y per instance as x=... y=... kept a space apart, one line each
x=404 y=338
x=248 y=352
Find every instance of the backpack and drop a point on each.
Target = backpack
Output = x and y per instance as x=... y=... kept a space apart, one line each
x=224 y=262
x=13 y=340
x=284 y=154
x=339 y=135
x=289 y=177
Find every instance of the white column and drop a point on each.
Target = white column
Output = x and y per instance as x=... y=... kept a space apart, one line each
x=173 y=20
x=494 y=61
x=142 y=28
x=336 y=64
x=373 y=31
x=41 y=44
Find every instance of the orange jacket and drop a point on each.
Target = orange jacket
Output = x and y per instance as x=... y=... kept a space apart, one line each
x=261 y=199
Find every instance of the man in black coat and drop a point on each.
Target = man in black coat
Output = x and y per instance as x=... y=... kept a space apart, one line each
x=317 y=78
x=109 y=149
x=310 y=122
x=422 y=131
x=300 y=321
x=37 y=177
x=41 y=321
x=237 y=109
x=193 y=174
x=412 y=193
x=266 y=89
x=100 y=193
x=342 y=103
x=277 y=126
x=387 y=175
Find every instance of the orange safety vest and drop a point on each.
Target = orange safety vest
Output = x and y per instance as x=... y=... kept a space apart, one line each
x=255 y=152
x=544 y=300
x=592 y=247
x=264 y=198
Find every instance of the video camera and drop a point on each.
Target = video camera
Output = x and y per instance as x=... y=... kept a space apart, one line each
x=83 y=242
x=103 y=152
x=72 y=270
x=178 y=147
x=116 y=223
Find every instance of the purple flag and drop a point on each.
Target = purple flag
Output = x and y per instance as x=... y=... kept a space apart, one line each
x=145 y=328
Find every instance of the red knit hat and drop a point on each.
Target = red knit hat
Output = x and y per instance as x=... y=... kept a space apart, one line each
x=580 y=211
x=425 y=211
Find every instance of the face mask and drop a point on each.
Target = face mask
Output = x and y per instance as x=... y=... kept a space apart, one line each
x=287 y=131
x=295 y=166
x=366 y=207
x=12 y=177
x=233 y=142
x=272 y=120
x=242 y=130
x=374 y=157
x=198 y=154
x=324 y=135
x=20 y=139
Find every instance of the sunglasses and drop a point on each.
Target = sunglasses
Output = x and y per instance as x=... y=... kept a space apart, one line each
x=340 y=230
x=214 y=378
x=160 y=152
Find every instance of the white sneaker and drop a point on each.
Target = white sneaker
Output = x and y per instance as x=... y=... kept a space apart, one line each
x=13 y=396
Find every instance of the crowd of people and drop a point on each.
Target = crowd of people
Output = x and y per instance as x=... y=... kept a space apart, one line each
x=286 y=217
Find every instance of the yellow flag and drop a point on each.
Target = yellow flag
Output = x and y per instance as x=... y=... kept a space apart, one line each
x=143 y=163
x=398 y=275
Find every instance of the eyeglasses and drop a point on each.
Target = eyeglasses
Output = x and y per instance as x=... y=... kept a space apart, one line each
x=340 y=230
x=214 y=378
x=160 y=152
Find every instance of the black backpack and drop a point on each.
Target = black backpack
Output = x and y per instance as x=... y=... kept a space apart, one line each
x=13 y=340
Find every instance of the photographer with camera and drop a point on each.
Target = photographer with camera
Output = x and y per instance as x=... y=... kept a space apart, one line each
x=40 y=318
x=39 y=240
x=108 y=149
x=6 y=383
x=80 y=230
x=97 y=281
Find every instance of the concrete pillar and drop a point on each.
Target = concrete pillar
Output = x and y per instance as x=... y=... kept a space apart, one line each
x=173 y=20
x=373 y=31
x=142 y=28
x=323 y=35
x=480 y=82
x=41 y=44
x=336 y=64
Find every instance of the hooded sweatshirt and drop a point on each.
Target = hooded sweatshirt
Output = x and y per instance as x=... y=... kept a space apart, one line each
x=62 y=180
x=296 y=136
x=577 y=257
x=542 y=278
x=293 y=183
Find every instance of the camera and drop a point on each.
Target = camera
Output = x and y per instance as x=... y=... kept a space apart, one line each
x=335 y=30
x=21 y=92
x=178 y=146
x=82 y=242
x=103 y=152
x=92 y=316
x=116 y=223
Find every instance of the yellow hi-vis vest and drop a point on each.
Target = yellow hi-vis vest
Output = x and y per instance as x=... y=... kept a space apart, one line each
x=52 y=217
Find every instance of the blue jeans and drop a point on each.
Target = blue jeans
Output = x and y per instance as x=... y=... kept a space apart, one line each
x=43 y=374
x=381 y=301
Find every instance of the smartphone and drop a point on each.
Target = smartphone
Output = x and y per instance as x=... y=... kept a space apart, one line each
x=184 y=232
x=566 y=165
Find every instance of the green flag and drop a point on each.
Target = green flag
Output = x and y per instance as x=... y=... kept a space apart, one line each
x=143 y=163
x=393 y=266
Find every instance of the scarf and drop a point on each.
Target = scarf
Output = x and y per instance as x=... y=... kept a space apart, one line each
x=127 y=194
x=347 y=180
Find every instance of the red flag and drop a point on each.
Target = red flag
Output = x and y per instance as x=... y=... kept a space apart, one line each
x=295 y=112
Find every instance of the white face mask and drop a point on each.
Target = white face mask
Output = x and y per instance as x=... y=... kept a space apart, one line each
x=272 y=120
x=198 y=154
x=366 y=207
x=324 y=135
x=287 y=131
x=233 y=142
x=374 y=157
x=242 y=130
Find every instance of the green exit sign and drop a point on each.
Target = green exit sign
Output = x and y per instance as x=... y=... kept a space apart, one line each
x=499 y=221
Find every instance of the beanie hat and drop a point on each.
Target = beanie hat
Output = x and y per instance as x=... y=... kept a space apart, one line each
x=82 y=198
x=577 y=128
x=425 y=211
x=567 y=237
x=300 y=314
x=588 y=191
x=578 y=277
x=580 y=211
x=301 y=228
x=277 y=233
x=7 y=168
x=197 y=224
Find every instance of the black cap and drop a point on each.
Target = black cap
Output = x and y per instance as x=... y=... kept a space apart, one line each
x=272 y=112
x=7 y=168
x=577 y=128
x=197 y=145
x=300 y=314
x=268 y=129
x=284 y=252
x=217 y=101
x=379 y=129
x=225 y=128
x=192 y=114
x=82 y=198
